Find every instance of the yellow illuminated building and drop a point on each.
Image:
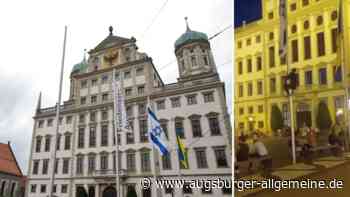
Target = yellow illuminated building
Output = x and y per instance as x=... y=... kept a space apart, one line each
x=312 y=50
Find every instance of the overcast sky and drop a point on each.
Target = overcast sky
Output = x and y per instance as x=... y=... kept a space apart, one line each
x=31 y=48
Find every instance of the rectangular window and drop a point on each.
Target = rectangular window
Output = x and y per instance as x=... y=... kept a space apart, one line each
x=139 y=71
x=64 y=189
x=45 y=166
x=337 y=73
x=164 y=125
x=334 y=39
x=42 y=188
x=240 y=67
x=104 y=79
x=104 y=162
x=196 y=127
x=104 y=135
x=33 y=188
x=250 y=89
x=179 y=128
x=166 y=162
x=214 y=126
x=127 y=74
x=69 y=120
x=250 y=109
x=130 y=162
x=38 y=144
x=93 y=99
x=82 y=119
x=191 y=100
x=143 y=130
x=80 y=163
x=321 y=48
x=295 y=54
x=160 y=105
x=35 y=167
x=50 y=122
x=201 y=158
x=175 y=102
x=91 y=164
x=220 y=155
x=260 y=108
x=241 y=111
x=94 y=82
x=140 y=90
x=305 y=2
x=272 y=56
x=308 y=77
x=129 y=111
x=142 y=108
x=105 y=97
x=58 y=142
x=67 y=142
x=65 y=168
x=208 y=97
x=128 y=91
x=83 y=84
x=104 y=115
x=92 y=116
x=82 y=100
x=240 y=90
x=322 y=74
x=56 y=165
x=273 y=85
x=145 y=161
x=92 y=137
x=130 y=138
x=307 y=47
x=260 y=88
x=40 y=124
x=249 y=65
x=81 y=136
x=258 y=63
x=47 y=143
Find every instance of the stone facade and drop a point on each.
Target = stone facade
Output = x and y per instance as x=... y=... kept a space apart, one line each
x=86 y=143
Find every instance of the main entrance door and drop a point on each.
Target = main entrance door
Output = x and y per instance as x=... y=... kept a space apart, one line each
x=109 y=192
x=81 y=192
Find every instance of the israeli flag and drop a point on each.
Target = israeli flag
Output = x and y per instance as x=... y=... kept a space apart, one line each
x=156 y=134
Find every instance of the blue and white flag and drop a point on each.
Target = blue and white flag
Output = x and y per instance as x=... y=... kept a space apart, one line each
x=156 y=134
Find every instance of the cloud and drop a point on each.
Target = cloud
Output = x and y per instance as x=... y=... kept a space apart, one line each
x=16 y=107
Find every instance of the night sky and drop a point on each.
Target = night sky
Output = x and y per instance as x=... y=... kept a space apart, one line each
x=247 y=10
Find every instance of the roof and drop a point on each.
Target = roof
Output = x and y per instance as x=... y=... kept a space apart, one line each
x=80 y=67
x=190 y=36
x=8 y=162
x=111 y=40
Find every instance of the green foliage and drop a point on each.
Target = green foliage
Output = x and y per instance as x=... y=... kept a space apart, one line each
x=276 y=118
x=323 y=119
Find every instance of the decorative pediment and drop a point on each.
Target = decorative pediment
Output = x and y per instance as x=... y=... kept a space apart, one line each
x=194 y=116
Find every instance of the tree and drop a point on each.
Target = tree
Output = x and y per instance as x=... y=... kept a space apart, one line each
x=276 y=118
x=323 y=118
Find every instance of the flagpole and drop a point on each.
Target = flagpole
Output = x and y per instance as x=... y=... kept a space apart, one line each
x=53 y=157
x=154 y=151
x=344 y=68
x=116 y=131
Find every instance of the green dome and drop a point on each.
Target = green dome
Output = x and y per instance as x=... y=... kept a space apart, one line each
x=190 y=36
x=80 y=67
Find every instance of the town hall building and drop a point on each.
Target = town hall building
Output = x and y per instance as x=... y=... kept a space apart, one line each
x=85 y=163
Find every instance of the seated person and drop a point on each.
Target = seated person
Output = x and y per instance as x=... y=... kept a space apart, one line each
x=243 y=149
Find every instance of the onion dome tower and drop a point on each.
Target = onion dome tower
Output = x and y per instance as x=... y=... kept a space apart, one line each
x=193 y=53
